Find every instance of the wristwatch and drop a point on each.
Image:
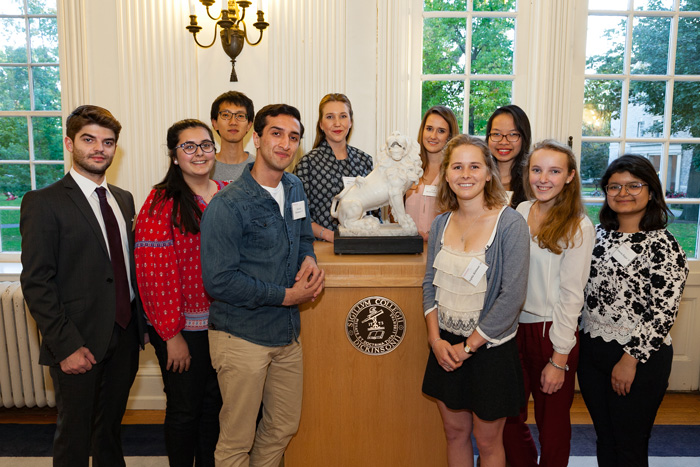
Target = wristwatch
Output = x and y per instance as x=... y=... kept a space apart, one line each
x=468 y=349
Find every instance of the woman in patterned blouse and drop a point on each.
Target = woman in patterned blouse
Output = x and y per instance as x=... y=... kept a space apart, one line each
x=637 y=276
x=177 y=306
x=331 y=164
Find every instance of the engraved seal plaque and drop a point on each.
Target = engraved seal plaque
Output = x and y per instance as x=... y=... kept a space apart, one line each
x=375 y=325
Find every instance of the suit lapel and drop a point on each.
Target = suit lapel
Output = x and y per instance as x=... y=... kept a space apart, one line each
x=127 y=214
x=76 y=195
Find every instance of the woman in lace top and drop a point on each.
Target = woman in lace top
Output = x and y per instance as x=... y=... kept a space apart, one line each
x=637 y=276
x=474 y=286
x=561 y=241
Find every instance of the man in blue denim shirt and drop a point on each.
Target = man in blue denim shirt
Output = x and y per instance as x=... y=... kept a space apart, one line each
x=258 y=265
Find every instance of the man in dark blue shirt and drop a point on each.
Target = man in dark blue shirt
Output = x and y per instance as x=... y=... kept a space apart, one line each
x=258 y=265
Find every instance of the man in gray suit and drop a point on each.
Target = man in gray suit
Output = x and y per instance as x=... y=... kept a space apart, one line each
x=79 y=282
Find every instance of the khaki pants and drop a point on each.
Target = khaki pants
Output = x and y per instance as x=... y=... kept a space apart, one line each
x=249 y=374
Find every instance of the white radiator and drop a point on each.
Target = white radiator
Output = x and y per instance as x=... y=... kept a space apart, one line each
x=23 y=382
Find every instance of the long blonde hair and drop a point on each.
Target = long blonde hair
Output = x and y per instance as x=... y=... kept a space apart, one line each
x=562 y=223
x=494 y=194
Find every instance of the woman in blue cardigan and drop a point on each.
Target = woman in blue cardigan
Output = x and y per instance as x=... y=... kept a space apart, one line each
x=474 y=286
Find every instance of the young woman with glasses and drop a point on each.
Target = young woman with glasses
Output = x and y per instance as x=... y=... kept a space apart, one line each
x=638 y=272
x=438 y=126
x=508 y=136
x=561 y=241
x=168 y=274
x=474 y=286
x=331 y=164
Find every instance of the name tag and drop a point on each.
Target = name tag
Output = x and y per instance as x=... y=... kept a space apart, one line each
x=475 y=271
x=624 y=255
x=348 y=181
x=298 y=210
x=430 y=190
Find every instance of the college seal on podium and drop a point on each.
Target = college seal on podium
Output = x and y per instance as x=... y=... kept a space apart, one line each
x=375 y=325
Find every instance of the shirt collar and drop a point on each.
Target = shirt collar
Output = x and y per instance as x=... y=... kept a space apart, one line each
x=86 y=185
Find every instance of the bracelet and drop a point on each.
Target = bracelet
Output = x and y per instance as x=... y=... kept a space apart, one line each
x=320 y=235
x=435 y=340
x=558 y=367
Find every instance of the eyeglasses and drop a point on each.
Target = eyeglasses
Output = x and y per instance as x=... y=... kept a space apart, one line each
x=633 y=188
x=239 y=116
x=190 y=148
x=510 y=137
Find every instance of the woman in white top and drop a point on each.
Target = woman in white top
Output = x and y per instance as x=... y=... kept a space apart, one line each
x=438 y=126
x=474 y=286
x=561 y=241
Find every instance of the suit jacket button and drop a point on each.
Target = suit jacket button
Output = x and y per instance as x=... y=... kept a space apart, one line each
x=110 y=280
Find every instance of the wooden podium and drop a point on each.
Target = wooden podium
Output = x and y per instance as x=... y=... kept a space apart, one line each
x=358 y=409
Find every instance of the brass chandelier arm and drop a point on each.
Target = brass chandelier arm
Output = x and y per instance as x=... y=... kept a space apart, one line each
x=209 y=15
x=194 y=34
x=252 y=43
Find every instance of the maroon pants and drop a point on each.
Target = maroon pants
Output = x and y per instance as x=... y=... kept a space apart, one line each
x=551 y=410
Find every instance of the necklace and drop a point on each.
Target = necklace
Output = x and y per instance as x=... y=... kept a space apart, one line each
x=464 y=232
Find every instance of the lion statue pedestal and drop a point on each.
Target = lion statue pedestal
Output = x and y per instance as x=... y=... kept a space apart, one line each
x=398 y=167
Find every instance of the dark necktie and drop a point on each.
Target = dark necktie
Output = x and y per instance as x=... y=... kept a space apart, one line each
x=121 y=281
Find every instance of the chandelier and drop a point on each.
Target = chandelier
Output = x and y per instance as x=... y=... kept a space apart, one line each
x=233 y=28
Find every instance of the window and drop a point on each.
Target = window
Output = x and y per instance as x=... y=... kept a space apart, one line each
x=642 y=82
x=468 y=58
x=31 y=150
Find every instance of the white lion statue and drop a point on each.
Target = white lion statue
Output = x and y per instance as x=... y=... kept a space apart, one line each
x=398 y=167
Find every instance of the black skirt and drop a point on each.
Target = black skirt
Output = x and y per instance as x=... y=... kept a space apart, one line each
x=489 y=383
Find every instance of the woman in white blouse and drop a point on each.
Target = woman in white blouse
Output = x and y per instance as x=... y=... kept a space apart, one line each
x=561 y=241
x=638 y=272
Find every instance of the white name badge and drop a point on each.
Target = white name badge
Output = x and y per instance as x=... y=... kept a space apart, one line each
x=430 y=190
x=348 y=181
x=298 y=210
x=475 y=271
x=624 y=255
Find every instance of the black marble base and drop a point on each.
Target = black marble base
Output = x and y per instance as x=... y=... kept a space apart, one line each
x=377 y=245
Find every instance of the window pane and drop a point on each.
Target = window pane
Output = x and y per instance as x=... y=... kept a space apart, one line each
x=48 y=144
x=444 y=5
x=601 y=107
x=14 y=140
x=592 y=211
x=595 y=158
x=645 y=114
x=492 y=46
x=14 y=41
x=690 y=5
x=444 y=45
x=484 y=98
x=687 y=62
x=447 y=93
x=607 y=4
x=683 y=179
x=653 y=5
x=684 y=226
x=47 y=88
x=651 y=151
x=42 y=7
x=11 y=7
x=684 y=115
x=9 y=225
x=650 y=45
x=494 y=5
x=48 y=174
x=14 y=88
x=605 y=44
x=15 y=179
x=44 y=39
